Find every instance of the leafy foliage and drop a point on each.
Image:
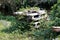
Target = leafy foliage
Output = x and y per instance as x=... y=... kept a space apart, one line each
x=21 y=26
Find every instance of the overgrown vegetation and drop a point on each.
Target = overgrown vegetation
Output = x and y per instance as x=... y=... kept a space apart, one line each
x=20 y=29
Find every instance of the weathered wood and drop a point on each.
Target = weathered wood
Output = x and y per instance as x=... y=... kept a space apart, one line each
x=56 y=28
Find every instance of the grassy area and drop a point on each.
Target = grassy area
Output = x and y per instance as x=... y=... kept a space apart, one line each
x=11 y=36
x=4 y=24
x=5 y=36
